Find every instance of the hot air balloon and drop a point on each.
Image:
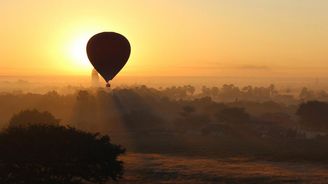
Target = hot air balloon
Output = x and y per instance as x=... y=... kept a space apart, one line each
x=108 y=52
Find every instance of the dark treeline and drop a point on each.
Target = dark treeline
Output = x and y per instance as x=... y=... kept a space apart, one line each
x=225 y=93
x=227 y=121
x=230 y=92
x=35 y=148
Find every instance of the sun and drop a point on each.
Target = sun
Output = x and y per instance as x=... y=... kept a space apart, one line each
x=77 y=51
x=72 y=42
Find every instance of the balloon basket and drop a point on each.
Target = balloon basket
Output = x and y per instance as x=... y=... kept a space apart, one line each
x=107 y=85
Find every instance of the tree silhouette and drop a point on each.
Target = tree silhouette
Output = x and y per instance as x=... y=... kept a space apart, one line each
x=44 y=154
x=33 y=117
x=187 y=110
x=306 y=94
x=234 y=115
x=313 y=115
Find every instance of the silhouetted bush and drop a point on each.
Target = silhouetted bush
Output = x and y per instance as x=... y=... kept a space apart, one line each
x=33 y=117
x=39 y=154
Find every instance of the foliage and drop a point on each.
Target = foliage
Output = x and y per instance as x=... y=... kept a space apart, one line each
x=42 y=154
x=313 y=115
x=233 y=115
x=33 y=117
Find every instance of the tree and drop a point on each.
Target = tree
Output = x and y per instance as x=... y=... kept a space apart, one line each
x=43 y=154
x=190 y=89
x=234 y=115
x=33 y=117
x=306 y=94
x=313 y=115
x=187 y=110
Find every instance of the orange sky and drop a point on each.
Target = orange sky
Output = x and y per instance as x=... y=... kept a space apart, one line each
x=261 y=38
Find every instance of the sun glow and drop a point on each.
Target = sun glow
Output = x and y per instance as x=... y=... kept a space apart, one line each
x=75 y=38
x=77 y=51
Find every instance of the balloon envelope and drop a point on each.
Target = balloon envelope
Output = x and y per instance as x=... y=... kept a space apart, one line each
x=108 y=52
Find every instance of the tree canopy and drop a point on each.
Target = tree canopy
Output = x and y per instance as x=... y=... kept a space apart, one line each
x=46 y=154
x=233 y=115
x=313 y=115
x=33 y=117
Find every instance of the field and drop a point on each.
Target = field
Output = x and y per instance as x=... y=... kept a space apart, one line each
x=155 y=168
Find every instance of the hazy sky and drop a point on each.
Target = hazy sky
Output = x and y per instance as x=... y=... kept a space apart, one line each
x=169 y=37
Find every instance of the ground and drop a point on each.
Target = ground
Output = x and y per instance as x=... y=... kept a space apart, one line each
x=160 y=169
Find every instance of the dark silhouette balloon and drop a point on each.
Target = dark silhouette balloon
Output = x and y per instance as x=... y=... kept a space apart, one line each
x=108 y=52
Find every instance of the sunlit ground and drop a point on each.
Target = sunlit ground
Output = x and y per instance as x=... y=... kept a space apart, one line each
x=154 y=168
